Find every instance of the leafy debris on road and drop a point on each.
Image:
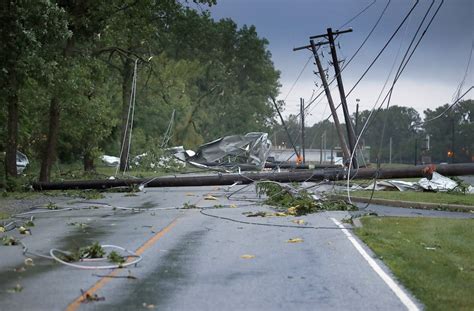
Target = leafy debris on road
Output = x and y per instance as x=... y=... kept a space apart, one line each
x=115 y=258
x=18 y=288
x=10 y=241
x=298 y=221
x=295 y=240
x=86 y=297
x=24 y=230
x=51 y=206
x=247 y=256
x=298 y=202
x=29 y=262
x=189 y=206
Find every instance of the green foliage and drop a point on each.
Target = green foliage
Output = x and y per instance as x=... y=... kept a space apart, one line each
x=92 y=251
x=10 y=241
x=299 y=203
x=114 y=257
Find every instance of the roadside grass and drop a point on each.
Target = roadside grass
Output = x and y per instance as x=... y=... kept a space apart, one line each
x=4 y=215
x=432 y=257
x=424 y=197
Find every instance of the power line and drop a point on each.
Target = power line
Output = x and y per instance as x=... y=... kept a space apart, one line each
x=447 y=109
x=355 y=54
x=357 y=15
x=299 y=75
x=384 y=47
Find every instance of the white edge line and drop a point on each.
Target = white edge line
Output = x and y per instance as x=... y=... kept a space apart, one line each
x=411 y=306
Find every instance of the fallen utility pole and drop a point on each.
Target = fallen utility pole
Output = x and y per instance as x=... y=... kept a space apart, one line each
x=247 y=178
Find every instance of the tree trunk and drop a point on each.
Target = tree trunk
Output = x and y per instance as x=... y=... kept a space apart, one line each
x=88 y=162
x=12 y=127
x=126 y=92
x=49 y=155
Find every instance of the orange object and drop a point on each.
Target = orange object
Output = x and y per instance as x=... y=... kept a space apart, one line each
x=299 y=159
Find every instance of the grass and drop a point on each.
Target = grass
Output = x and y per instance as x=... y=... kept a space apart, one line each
x=425 y=197
x=432 y=257
x=4 y=215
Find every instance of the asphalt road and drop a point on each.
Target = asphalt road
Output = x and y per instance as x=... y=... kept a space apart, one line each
x=195 y=259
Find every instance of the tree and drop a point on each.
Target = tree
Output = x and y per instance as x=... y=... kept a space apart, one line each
x=398 y=123
x=450 y=130
x=29 y=31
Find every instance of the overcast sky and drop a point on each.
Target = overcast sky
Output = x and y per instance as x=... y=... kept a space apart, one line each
x=430 y=79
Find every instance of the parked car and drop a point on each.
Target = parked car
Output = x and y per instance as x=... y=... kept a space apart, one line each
x=21 y=162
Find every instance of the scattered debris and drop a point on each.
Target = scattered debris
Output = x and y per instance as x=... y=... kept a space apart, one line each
x=110 y=160
x=9 y=241
x=29 y=262
x=299 y=221
x=437 y=183
x=148 y=306
x=51 y=206
x=80 y=225
x=248 y=151
x=115 y=258
x=24 y=230
x=247 y=256
x=86 y=297
x=210 y=198
x=2 y=229
x=29 y=223
x=18 y=288
x=295 y=240
x=20 y=269
x=189 y=206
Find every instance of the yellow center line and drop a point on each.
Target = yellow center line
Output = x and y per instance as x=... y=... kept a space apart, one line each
x=104 y=280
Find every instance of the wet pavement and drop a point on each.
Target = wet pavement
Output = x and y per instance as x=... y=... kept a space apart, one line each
x=212 y=257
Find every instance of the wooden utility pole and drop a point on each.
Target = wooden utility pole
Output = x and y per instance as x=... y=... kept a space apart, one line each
x=302 y=129
x=337 y=124
x=286 y=129
x=340 y=85
x=350 y=129
x=246 y=178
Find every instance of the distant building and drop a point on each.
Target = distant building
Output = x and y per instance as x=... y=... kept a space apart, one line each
x=319 y=156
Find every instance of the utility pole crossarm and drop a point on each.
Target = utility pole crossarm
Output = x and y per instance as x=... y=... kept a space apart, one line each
x=308 y=47
x=337 y=32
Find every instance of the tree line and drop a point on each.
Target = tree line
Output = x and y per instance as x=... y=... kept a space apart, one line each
x=67 y=68
x=445 y=134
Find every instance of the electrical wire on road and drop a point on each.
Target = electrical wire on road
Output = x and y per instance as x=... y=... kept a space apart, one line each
x=269 y=225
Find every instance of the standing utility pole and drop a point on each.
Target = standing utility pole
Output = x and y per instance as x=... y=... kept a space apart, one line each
x=390 y=152
x=302 y=129
x=286 y=129
x=337 y=124
x=357 y=118
x=340 y=85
